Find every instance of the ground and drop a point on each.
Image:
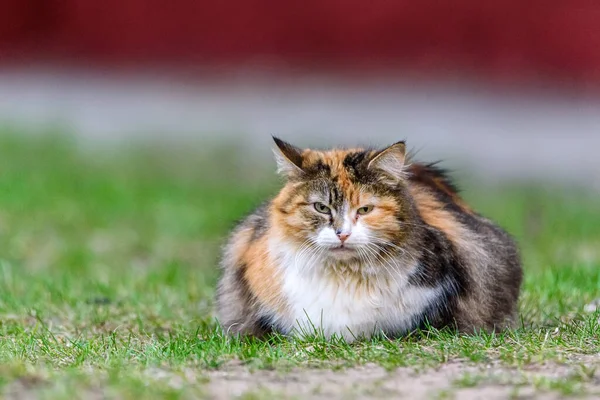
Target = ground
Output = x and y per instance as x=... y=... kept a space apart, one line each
x=108 y=265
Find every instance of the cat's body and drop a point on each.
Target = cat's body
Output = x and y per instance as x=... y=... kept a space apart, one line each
x=358 y=243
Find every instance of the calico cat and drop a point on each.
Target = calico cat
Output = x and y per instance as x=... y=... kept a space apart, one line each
x=361 y=242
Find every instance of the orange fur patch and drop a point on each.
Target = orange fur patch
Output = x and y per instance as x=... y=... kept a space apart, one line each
x=433 y=213
x=291 y=223
x=383 y=217
x=335 y=160
x=262 y=276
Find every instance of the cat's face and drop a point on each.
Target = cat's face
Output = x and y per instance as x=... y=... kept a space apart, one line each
x=342 y=204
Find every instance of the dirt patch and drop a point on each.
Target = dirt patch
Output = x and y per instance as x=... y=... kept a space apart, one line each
x=577 y=377
x=452 y=380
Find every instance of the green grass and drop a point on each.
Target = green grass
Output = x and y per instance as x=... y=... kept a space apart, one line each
x=108 y=266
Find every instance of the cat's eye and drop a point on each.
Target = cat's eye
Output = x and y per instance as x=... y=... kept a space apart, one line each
x=322 y=208
x=364 y=210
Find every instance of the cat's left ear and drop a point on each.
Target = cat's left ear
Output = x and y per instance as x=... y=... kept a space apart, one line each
x=288 y=157
x=390 y=160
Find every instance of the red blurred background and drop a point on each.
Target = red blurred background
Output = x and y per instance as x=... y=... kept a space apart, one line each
x=509 y=39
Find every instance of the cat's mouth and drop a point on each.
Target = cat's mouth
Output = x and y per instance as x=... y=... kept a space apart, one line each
x=341 y=249
x=342 y=253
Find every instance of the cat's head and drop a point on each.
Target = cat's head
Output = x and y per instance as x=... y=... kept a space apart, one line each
x=343 y=204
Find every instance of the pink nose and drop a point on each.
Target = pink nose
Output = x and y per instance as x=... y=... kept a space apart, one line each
x=343 y=236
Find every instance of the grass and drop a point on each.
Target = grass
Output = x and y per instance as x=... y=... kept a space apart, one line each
x=108 y=266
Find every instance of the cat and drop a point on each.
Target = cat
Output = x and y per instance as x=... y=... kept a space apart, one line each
x=362 y=242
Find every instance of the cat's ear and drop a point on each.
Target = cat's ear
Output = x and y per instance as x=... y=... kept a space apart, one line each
x=288 y=157
x=390 y=160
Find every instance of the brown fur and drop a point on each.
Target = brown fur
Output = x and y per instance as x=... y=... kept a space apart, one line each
x=418 y=211
x=433 y=213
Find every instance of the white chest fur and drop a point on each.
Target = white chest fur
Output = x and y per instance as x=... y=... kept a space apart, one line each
x=322 y=301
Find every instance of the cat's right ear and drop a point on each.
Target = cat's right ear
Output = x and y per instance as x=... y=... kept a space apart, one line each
x=390 y=160
x=288 y=157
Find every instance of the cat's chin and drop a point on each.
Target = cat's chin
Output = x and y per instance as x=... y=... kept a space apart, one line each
x=342 y=253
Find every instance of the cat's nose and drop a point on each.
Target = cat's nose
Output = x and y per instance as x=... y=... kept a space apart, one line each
x=343 y=236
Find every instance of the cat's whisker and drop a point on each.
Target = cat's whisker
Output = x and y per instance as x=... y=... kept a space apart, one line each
x=361 y=255
x=311 y=253
x=304 y=248
x=377 y=277
x=372 y=256
x=371 y=261
x=392 y=258
x=400 y=249
x=307 y=263
x=379 y=242
x=395 y=268
x=317 y=251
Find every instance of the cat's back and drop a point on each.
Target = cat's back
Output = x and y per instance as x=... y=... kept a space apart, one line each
x=490 y=255
x=438 y=198
x=428 y=180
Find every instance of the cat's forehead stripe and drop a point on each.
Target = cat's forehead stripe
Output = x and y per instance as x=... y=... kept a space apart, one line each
x=337 y=175
x=340 y=167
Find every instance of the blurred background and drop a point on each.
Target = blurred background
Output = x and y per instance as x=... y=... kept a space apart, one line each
x=509 y=88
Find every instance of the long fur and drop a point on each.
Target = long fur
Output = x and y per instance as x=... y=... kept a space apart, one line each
x=416 y=254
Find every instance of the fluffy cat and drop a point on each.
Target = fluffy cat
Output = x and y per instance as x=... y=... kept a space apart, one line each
x=360 y=242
